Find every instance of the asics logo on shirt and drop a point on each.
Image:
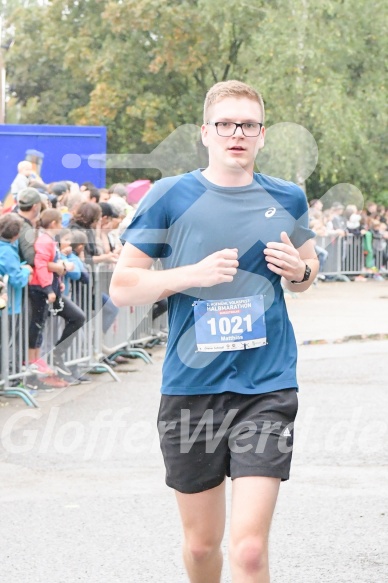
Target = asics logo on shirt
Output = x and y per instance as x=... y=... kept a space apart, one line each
x=270 y=212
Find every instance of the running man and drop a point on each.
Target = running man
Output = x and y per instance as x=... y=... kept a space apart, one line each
x=229 y=239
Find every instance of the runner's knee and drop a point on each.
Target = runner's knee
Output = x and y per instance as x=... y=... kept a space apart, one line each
x=200 y=552
x=250 y=554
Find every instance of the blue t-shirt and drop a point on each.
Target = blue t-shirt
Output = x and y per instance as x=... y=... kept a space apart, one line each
x=184 y=219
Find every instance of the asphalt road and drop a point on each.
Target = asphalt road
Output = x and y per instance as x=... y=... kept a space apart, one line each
x=82 y=480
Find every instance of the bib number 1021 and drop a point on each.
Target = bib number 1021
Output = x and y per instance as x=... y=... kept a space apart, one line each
x=230 y=325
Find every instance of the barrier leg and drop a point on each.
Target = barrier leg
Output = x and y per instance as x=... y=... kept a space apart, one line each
x=134 y=353
x=6 y=390
x=22 y=393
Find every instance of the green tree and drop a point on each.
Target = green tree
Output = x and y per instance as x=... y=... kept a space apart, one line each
x=329 y=78
x=142 y=68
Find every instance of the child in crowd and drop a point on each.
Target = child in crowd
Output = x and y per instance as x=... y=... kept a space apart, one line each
x=44 y=285
x=64 y=307
x=67 y=255
x=73 y=314
x=78 y=242
x=18 y=274
x=45 y=289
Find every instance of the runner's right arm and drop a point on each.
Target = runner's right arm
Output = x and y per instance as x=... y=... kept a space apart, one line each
x=134 y=283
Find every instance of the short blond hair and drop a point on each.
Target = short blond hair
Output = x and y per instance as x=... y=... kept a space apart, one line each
x=24 y=165
x=231 y=88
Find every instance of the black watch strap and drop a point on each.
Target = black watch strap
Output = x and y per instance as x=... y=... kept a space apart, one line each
x=306 y=276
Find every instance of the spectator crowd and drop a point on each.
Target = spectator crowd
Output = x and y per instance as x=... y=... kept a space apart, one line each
x=51 y=236
x=367 y=228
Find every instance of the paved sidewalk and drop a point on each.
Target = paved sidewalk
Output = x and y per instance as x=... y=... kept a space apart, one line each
x=335 y=310
x=82 y=479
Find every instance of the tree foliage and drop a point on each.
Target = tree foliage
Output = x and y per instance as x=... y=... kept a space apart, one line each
x=142 y=68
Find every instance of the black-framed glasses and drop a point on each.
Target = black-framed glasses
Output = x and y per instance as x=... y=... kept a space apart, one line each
x=226 y=129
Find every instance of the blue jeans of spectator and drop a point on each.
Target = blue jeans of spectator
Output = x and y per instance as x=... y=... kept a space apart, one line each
x=322 y=255
x=109 y=312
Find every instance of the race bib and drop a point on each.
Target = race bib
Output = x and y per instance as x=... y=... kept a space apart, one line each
x=233 y=324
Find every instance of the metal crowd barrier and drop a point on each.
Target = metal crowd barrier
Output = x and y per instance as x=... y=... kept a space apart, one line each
x=346 y=255
x=130 y=334
x=14 y=348
x=84 y=349
x=133 y=329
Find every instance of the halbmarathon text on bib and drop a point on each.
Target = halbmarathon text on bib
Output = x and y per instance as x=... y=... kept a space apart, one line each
x=233 y=324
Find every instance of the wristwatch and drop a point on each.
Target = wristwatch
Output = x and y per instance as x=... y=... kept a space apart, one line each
x=307 y=273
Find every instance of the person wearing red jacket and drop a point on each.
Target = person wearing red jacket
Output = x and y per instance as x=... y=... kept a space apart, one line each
x=45 y=288
x=44 y=285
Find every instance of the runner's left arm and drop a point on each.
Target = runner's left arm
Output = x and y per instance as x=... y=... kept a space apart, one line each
x=290 y=262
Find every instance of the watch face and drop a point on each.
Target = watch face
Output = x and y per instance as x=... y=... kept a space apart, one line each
x=307 y=273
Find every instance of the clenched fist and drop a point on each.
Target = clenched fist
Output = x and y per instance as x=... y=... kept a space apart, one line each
x=219 y=267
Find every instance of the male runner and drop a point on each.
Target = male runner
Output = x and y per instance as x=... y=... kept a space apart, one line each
x=228 y=239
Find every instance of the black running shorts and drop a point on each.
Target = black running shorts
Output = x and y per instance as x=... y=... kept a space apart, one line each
x=207 y=437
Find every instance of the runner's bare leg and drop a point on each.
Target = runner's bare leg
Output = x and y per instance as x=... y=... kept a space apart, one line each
x=203 y=521
x=253 y=503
